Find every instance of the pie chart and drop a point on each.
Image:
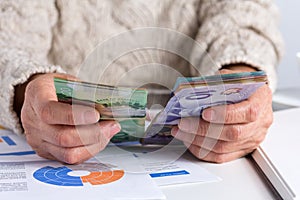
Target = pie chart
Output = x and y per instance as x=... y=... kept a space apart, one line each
x=78 y=175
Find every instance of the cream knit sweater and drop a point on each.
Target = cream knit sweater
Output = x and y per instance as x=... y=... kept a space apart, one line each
x=39 y=36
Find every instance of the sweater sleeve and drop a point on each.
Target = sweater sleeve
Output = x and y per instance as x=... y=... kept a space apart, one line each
x=25 y=40
x=240 y=31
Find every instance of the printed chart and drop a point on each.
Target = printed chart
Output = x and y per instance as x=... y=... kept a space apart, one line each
x=90 y=180
x=92 y=173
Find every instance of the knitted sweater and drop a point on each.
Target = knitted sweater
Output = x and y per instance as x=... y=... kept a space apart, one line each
x=39 y=36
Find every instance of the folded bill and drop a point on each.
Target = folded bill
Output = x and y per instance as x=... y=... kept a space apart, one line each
x=192 y=95
x=126 y=105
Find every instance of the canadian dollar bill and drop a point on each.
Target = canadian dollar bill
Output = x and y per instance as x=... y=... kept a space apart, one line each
x=126 y=105
x=189 y=98
x=193 y=95
x=244 y=77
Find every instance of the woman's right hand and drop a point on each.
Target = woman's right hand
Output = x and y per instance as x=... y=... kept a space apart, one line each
x=59 y=131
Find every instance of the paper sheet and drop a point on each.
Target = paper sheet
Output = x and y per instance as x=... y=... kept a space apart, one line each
x=179 y=172
x=13 y=144
x=140 y=172
x=164 y=166
x=32 y=177
x=50 y=180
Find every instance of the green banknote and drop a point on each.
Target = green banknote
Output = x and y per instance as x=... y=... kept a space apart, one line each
x=126 y=105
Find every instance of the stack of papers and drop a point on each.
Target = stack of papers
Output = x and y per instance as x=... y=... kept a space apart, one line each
x=113 y=174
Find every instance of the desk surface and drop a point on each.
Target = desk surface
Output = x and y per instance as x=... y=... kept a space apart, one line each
x=281 y=148
x=288 y=96
x=241 y=180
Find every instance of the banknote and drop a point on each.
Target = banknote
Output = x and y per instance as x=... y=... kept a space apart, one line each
x=245 y=77
x=191 y=100
x=189 y=97
x=126 y=105
x=112 y=102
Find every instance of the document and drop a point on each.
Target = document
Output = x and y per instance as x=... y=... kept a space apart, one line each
x=12 y=144
x=115 y=173
x=50 y=180
x=31 y=177
x=165 y=170
x=165 y=166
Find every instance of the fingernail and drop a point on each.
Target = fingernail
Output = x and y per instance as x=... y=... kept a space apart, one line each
x=184 y=125
x=209 y=115
x=91 y=117
x=203 y=153
x=174 y=131
x=115 y=128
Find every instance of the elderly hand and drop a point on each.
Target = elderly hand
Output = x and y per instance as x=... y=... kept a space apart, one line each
x=228 y=132
x=59 y=131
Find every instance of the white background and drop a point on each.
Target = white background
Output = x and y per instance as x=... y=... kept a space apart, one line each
x=289 y=68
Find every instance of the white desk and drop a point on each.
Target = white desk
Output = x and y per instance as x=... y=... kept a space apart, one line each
x=278 y=154
x=288 y=96
x=241 y=180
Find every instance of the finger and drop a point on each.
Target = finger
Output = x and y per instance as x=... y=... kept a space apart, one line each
x=236 y=69
x=73 y=155
x=210 y=156
x=40 y=93
x=54 y=112
x=35 y=144
x=29 y=120
x=75 y=136
x=243 y=112
x=45 y=155
x=224 y=71
x=218 y=146
x=200 y=127
x=41 y=89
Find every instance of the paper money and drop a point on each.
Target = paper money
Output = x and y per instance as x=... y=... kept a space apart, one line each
x=244 y=77
x=193 y=95
x=189 y=98
x=126 y=105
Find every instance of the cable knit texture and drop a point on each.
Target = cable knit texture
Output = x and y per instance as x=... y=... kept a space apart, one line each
x=39 y=36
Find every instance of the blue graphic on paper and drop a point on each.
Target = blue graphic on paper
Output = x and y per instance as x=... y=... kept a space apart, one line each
x=164 y=174
x=8 y=141
x=57 y=176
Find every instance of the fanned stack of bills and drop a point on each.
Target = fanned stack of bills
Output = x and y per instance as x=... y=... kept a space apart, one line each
x=189 y=98
x=126 y=105
x=192 y=95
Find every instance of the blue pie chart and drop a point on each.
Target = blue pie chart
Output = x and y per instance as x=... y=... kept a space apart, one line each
x=57 y=176
x=98 y=174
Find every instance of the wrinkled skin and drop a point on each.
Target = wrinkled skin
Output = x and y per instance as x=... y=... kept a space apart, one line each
x=228 y=132
x=59 y=131
x=73 y=134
